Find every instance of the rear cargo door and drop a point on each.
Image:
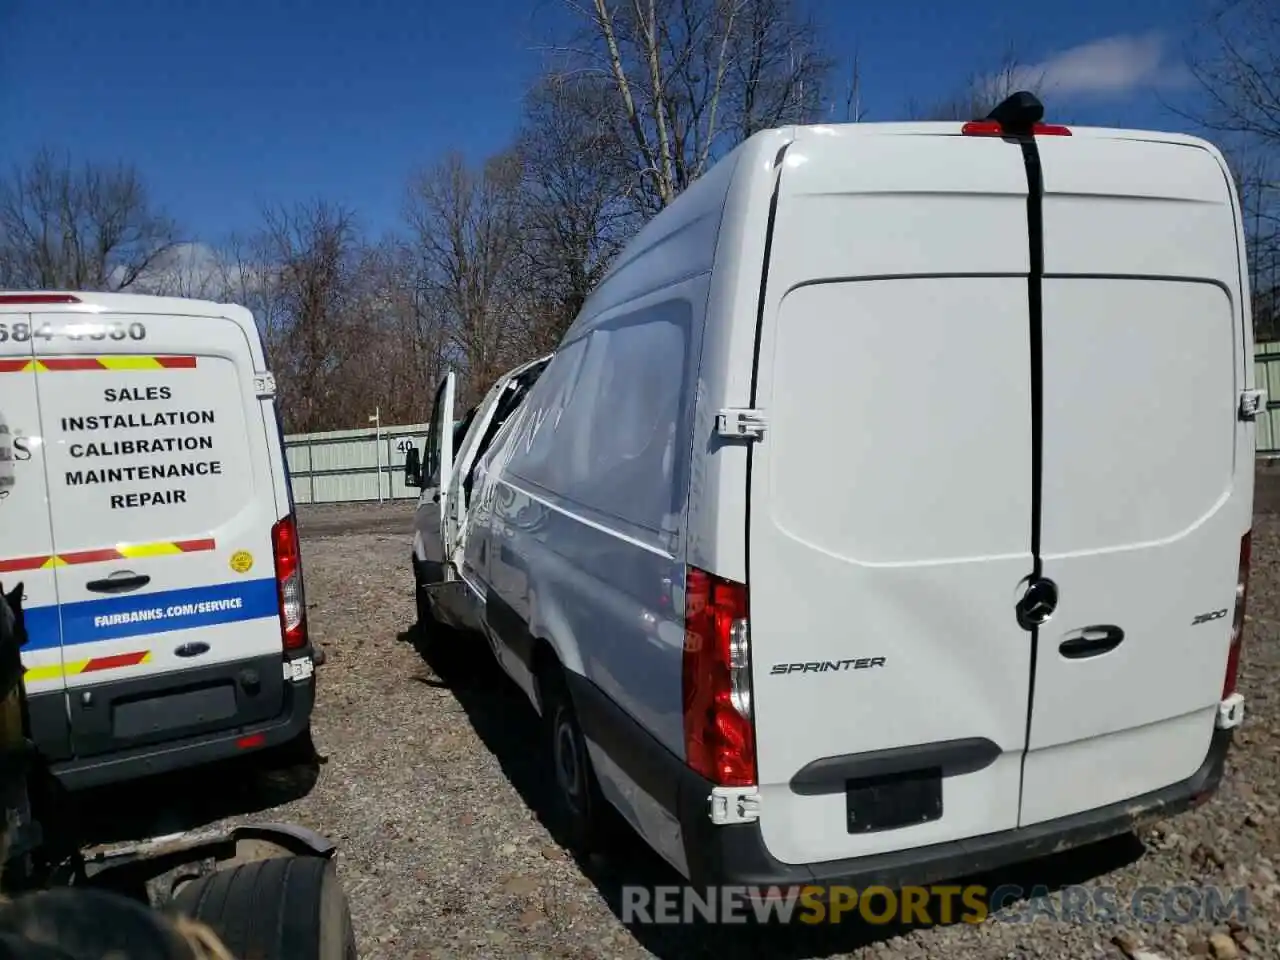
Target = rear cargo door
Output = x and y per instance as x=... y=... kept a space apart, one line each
x=162 y=508
x=890 y=500
x=26 y=540
x=1147 y=479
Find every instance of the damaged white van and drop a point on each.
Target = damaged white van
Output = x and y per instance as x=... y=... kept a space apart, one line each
x=885 y=514
x=446 y=478
x=151 y=525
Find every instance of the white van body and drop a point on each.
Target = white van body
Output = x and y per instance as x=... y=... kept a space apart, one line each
x=151 y=524
x=886 y=510
x=446 y=475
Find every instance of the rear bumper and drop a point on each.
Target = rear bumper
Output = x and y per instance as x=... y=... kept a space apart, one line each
x=294 y=718
x=736 y=854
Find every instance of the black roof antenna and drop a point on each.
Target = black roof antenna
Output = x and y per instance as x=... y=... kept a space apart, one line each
x=1018 y=113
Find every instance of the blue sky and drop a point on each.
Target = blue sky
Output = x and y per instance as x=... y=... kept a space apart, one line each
x=227 y=104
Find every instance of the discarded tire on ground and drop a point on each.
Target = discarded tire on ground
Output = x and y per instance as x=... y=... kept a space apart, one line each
x=290 y=907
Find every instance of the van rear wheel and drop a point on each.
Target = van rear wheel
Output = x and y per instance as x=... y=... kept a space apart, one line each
x=580 y=811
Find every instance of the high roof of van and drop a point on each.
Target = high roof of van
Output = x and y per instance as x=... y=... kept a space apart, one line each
x=90 y=303
x=682 y=240
x=26 y=301
x=954 y=128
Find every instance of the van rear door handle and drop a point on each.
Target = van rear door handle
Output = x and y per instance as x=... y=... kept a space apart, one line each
x=121 y=582
x=1091 y=642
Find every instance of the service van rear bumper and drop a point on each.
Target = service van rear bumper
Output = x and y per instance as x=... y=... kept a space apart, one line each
x=293 y=719
x=736 y=855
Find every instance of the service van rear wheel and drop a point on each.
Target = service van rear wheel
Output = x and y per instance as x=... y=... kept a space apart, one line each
x=281 y=907
x=579 y=809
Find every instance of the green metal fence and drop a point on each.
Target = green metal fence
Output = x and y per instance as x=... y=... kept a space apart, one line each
x=1266 y=373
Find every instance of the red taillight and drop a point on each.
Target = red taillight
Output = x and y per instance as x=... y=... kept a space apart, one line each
x=1237 y=621
x=251 y=741
x=719 y=738
x=993 y=128
x=37 y=298
x=293 y=608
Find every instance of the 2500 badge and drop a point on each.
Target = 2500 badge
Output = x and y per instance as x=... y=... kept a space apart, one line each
x=23 y=332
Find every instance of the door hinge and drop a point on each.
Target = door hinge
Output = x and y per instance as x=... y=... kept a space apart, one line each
x=1252 y=402
x=1230 y=712
x=738 y=422
x=733 y=805
x=264 y=385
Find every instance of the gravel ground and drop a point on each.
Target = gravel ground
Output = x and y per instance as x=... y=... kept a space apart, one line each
x=432 y=790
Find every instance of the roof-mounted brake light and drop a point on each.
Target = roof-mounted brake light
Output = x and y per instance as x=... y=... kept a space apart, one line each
x=1017 y=116
x=989 y=128
x=37 y=298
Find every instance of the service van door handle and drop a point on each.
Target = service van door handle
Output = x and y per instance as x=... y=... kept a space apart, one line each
x=1091 y=642
x=121 y=582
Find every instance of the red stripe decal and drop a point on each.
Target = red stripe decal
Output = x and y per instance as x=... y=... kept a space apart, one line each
x=177 y=363
x=91 y=556
x=195 y=546
x=71 y=363
x=22 y=563
x=117 y=660
x=13 y=366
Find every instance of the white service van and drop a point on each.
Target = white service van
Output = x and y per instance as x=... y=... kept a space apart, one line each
x=885 y=514
x=446 y=477
x=151 y=524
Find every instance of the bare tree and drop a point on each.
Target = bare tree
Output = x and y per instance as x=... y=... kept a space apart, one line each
x=186 y=270
x=314 y=252
x=776 y=70
x=249 y=277
x=1251 y=167
x=982 y=91
x=574 y=213
x=86 y=228
x=464 y=235
x=853 y=111
x=693 y=78
x=1239 y=73
x=395 y=352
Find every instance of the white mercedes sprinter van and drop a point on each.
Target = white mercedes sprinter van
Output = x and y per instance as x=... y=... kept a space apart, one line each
x=884 y=516
x=151 y=525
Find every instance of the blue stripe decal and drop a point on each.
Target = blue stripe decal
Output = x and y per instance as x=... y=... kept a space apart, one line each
x=113 y=618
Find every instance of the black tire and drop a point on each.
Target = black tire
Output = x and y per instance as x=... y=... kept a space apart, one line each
x=286 y=907
x=66 y=922
x=580 y=813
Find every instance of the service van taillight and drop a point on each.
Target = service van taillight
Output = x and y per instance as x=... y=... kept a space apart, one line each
x=293 y=608
x=719 y=736
x=1237 y=622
